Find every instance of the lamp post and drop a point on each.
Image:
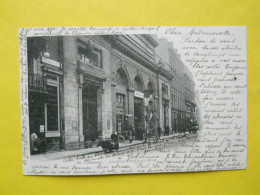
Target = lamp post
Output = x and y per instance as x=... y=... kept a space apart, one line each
x=46 y=53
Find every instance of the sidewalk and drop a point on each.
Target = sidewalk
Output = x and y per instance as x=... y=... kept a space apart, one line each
x=62 y=154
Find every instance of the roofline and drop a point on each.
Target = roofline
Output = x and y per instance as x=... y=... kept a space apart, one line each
x=151 y=40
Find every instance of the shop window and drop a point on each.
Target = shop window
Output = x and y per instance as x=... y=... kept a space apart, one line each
x=52 y=122
x=150 y=89
x=138 y=86
x=121 y=78
x=93 y=57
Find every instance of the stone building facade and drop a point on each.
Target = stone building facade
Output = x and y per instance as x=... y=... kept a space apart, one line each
x=82 y=88
x=191 y=115
x=170 y=60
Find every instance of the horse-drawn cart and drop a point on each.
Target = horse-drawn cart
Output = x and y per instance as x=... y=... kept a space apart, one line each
x=151 y=136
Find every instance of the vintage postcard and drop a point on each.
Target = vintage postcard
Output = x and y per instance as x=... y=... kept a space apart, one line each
x=122 y=100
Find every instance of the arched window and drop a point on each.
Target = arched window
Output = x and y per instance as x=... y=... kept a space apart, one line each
x=138 y=85
x=121 y=78
x=150 y=89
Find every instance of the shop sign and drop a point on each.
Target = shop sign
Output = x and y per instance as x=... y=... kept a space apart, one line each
x=139 y=94
x=42 y=128
x=51 y=62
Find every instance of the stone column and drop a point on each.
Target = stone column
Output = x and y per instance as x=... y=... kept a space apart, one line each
x=169 y=119
x=131 y=105
x=143 y=111
x=80 y=111
x=99 y=110
x=113 y=102
x=72 y=96
x=107 y=109
x=160 y=106
x=156 y=106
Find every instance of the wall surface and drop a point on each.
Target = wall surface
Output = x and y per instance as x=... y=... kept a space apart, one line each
x=16 y=14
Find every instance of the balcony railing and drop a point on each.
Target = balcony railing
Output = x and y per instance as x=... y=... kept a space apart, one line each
x=37 y=82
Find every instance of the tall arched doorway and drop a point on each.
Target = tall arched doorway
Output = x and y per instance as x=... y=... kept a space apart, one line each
x=121 y=79
x=138 y=107
x=150 y=111
x=90 y=112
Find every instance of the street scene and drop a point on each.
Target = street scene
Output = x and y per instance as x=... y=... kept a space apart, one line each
x=106 y=93
x=139 y=147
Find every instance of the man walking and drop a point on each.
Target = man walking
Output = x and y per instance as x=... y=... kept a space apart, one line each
x=159 y=130
x=131 y=133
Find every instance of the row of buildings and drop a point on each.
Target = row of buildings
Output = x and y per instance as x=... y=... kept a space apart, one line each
x=85 y=87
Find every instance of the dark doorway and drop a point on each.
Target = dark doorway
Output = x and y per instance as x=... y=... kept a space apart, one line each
x=90 y=117
x=138 y=117
x=165 y=116
x=179 y=123
x=36 y=120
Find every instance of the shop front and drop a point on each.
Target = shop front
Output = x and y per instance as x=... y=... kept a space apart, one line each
x=179 y=126
x=122 y=125
x=38 y=96
x=189 y=117
x=45 y=94
x=121 y=103
x=44 y=112
x=150 y=105
x=90 y=106
x=139 y=114
x=174 y=120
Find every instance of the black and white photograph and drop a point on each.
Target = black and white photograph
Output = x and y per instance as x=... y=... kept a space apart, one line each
x=122 y=100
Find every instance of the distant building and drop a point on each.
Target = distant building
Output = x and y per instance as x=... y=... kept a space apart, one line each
x=190 y=103
x=170 y=60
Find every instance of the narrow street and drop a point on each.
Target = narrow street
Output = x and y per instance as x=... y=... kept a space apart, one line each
x=126 y=147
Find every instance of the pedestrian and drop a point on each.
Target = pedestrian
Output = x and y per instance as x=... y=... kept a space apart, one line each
x=34 y=143
x=131 y=133
x=144 y=138
x=159 y=129
x=156 y=135
x=114 y=138
x=141 y=137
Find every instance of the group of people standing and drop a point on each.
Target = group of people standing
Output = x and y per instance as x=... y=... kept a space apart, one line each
x=140 y=135
x=108 y=146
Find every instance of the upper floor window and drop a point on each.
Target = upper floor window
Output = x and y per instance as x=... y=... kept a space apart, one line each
x=165 y=89
x=121 y=78
x=138 y=86
x=91 y=56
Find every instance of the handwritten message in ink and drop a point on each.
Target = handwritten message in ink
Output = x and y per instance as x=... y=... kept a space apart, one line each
x=217 y=58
